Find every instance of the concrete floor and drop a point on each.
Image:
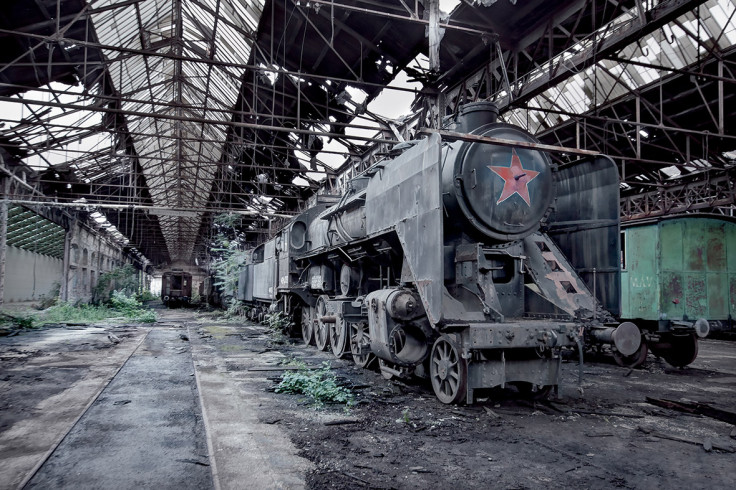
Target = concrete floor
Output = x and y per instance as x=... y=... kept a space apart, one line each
x=181 y=404
x=115 y=406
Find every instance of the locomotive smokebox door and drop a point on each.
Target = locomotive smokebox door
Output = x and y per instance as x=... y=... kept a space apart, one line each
x=503 y=191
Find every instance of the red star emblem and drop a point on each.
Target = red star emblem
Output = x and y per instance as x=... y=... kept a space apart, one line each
x=515 y=179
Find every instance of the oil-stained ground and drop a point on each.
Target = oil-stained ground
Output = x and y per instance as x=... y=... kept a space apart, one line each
x=188 y=402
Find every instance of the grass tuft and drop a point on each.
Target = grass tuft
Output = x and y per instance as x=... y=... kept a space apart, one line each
x=320 y=385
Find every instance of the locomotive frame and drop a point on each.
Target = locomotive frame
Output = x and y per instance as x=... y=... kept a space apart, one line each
x=442 y=262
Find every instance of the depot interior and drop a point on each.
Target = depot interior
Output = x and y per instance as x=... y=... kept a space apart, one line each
x=128 y=129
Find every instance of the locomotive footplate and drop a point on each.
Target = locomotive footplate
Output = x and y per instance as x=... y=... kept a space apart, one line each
x=526 y=354
x=520 y=334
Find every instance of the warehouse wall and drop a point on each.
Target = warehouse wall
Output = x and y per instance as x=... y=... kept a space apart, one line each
x=90 y=255
x=29 y=275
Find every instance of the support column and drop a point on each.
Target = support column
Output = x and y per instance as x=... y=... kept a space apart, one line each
x=64 y=292
x=435 y=35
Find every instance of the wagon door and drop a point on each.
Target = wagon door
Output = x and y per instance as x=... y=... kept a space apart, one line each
x=639 y=278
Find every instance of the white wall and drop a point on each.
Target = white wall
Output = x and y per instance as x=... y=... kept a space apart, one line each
x=29 y=275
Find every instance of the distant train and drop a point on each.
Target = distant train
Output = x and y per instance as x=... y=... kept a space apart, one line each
x=176 y=288
x=450 y=260
x=209 y=292
x=678 y=282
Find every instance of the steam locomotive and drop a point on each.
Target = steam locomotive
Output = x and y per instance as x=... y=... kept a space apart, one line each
x=474 y=262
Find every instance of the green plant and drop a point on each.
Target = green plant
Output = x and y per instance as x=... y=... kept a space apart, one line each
x=294 y=362
x=123 y=302
x=227 y=256
x=278 y=321
x=234 y=309
x=47 y=301
x=318 y=384
x=405 y=415
x=131 y=308
x=120 y=304
x=146 y=316
x=145 y=296
x=17 y=321
x=123 y=278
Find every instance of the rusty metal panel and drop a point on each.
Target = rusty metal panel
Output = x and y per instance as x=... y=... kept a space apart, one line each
x=696 y=303
x=694 y=248
x=284 y=261
x=264 y=274
x=408 y=191
x=673 y=302
x=717 y=296
x=625 y=304
x=730 y=234
x=554 y=276
x=715 y=245
x=670 y=233
x=642 y=265
x=585 y=226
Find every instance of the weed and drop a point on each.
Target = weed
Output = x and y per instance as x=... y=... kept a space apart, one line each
x=16 y=321
x=234 y=309
x=123 y=278
x=45 y=301
x=146 y=316
x=146 y=295
x=120 y=305
x=67 y=312
x=124 y=303
x=318 y=384
x=298 y=363
x=278 y=321
x=405 y=415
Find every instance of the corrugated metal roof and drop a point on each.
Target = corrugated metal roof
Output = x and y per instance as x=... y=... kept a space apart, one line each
x=178 y=154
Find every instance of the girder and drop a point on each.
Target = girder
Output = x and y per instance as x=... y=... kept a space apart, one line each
x=193 y=107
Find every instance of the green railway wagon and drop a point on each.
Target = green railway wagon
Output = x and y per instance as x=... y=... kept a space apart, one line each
x=678 y=280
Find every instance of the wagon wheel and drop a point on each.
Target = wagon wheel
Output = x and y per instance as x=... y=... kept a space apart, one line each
x=635 y=359
x=338 y=336
x=684 y=350
x=448 y=371
x=307 y=324
x=321 y=334
x=358 y=337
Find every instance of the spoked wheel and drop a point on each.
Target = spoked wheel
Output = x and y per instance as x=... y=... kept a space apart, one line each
x=448 y=371
x=339 y=337
x=635 y=359
x=307 y=324
x=321 y=334
x=683 y=351
x=359 y=336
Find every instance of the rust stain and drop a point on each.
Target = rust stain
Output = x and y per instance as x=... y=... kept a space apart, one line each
x=695 y=299
x=716 y=254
